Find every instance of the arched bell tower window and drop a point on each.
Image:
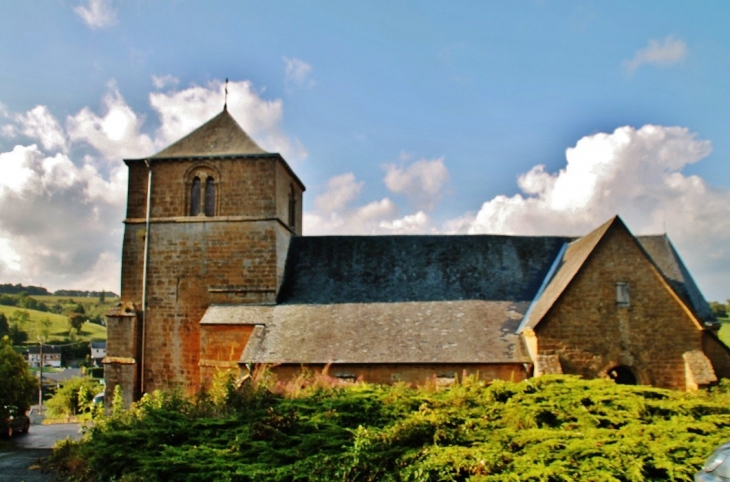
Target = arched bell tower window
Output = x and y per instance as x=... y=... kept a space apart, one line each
x=292 y=208
x=209 y=196
x=202 y=182
x=195 y=197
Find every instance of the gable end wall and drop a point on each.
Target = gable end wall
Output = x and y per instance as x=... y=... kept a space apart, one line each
x=591 y=334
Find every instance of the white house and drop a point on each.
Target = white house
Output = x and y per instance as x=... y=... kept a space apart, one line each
x=51 y=356
x=98 y=352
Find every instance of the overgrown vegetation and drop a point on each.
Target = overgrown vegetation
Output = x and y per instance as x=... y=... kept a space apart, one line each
x=543 y=429
x=74 y=400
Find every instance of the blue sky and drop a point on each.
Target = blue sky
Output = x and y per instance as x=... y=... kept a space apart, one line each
x=400 y=117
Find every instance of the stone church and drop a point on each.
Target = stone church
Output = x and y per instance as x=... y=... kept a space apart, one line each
x=216 y=275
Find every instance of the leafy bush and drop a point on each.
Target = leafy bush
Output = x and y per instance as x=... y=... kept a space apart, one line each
x=17 y=385
x=543 y=429
x=73 y=398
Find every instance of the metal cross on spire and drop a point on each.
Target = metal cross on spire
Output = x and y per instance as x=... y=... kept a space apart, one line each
x=225 y=101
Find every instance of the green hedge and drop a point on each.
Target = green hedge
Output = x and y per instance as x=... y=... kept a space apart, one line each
x=543 y=429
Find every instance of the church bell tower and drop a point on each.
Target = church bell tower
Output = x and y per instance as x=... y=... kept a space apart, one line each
x=209 y=220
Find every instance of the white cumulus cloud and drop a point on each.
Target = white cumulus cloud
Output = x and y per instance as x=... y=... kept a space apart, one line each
x=336 y=212
x=62 y=195
x=39 y=124
x=411 y=224
x=58 y=220
x=182 y=111
x=162 y=81
x=298 y=73
x=421 y=181
x=630 y=171
x=97 y=14
x=340 y=191
x=636 y=173
x=116 y=133
x=667 y=52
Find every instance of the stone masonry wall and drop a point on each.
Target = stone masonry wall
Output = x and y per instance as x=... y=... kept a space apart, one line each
x=185 y=260
x=236 y=256
x=244 y=187
x=592 y=334
x=284 y=185
x=408 y=373
x=121 y=360
x=123 y=374
x=221 y=347
x=718 y=353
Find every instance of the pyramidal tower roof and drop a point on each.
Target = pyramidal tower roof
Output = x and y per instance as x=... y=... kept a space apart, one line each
x=220 y=136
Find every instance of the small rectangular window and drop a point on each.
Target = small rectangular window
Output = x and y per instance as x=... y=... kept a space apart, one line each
x=443 y=379
x=345 y=376
x=622 y=294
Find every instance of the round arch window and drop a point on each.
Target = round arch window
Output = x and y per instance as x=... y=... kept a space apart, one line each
x=622 y=375
x=201 y=185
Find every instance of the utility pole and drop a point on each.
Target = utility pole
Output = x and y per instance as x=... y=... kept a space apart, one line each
x=42 y=337
x=40 y=378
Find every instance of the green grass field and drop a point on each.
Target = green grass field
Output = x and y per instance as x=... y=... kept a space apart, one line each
x=91 y=305
x=59 y=325
x=724 y=332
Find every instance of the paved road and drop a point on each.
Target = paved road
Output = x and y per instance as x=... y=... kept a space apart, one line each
x=20 y=464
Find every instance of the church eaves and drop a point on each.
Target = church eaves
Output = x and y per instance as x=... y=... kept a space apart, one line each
x=221 y=136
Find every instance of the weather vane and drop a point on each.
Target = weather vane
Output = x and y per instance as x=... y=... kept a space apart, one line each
x=225 y=101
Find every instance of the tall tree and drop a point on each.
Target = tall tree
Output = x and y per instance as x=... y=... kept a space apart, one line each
x=18 y=385
x=719 y=309
x=19 y=318
x=18 y=321
x=43 y=330
x=76 y=322
x=4 y=326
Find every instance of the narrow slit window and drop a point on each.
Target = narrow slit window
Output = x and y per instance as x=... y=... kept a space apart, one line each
x=209 y=196
x=292 y=208
x=195 y=197
x=622 y=294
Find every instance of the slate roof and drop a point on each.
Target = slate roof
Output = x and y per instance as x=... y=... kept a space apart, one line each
x=667 y=260
x=220 y=136
x=63 y=376
x=369 y=269
x=423 y=299
x=399 y=299
x=468 y=331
